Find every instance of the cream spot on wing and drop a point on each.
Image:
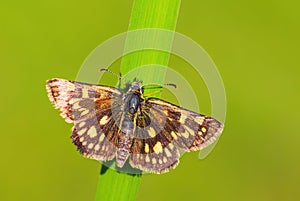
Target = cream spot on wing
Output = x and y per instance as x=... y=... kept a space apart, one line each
x=174 y=135
x=101 y=138
x=199 y=120
x=200 y=133
x=71 y=101
x=90 y=145
x=168 y=153
x=97 y=147
x=147 y=148
x=92 y=132
x=190 y=130
x=159 y=161
x=171 y=146
x=80 y=109
x=182 y=118
x=185 y=134
x=157 y=148
x=104 y=120
x=84 y=143
x=203 y=129
x=147 y=159
x=85 y=93
x=82 y=131
x=85 y=111
x=154 y=160
x=164 y=159
x=151 y=132
x=81 y=124
x=81 y=139
x=76 y=105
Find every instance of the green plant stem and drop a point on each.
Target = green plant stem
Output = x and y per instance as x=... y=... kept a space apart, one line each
x=113 y=185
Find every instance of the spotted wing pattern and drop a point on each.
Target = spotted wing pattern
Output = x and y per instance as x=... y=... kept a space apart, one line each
x=152 y=151
x=90 y=108
x=163 y=129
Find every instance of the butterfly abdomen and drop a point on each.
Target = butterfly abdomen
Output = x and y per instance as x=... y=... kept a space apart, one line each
x=124 y=141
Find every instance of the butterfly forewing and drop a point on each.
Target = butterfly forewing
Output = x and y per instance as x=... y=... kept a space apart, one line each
x=187 y=129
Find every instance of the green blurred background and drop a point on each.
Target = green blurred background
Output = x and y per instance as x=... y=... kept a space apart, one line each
x=255 y=45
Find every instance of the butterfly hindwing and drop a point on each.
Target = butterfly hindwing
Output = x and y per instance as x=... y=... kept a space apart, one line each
x=151 y=151
x=94 y=143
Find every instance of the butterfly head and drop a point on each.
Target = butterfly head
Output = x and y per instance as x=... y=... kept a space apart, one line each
x=136 y=87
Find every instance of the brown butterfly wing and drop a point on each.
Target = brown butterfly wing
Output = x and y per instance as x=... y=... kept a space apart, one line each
x=94 y=110
x=163 y=129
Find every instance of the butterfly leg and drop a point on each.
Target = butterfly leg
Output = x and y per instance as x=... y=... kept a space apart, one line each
x=152 y=93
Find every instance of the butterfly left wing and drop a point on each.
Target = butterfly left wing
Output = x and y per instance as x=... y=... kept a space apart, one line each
x=164 y=130
x=94 y=111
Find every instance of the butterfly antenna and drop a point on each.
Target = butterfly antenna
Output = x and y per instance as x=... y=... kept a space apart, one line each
x=159 y=86
x=171 y=84
x=109 y=71
x=119 y=76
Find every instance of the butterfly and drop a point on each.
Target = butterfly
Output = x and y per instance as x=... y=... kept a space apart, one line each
x=122 y=124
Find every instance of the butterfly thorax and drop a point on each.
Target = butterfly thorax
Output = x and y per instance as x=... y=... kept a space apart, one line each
x=132 y=98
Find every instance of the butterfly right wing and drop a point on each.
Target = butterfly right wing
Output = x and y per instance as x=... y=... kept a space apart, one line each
x=94 y=110
x=188 y=130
